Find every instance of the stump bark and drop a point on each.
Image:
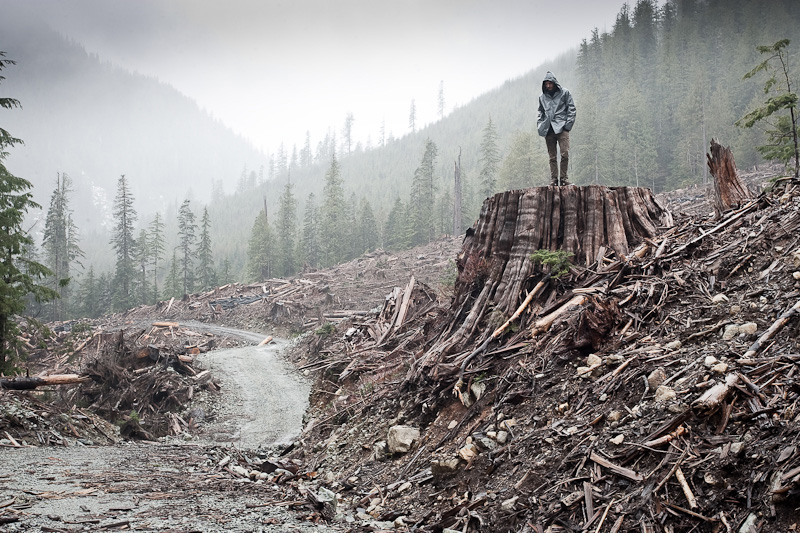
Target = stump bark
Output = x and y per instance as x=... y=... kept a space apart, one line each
x=729 y=190
x=495 y=266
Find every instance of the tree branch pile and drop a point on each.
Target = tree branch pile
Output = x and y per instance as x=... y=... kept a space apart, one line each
x=650 y=390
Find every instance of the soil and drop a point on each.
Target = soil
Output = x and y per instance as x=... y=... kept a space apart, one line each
x=544 y=433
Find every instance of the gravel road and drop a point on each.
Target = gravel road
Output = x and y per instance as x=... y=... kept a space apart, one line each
x=171 y=487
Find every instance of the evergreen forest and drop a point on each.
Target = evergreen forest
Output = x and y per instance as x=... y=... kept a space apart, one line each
x=650 y=93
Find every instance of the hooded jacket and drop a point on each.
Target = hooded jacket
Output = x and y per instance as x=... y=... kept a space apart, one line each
x=556 y=110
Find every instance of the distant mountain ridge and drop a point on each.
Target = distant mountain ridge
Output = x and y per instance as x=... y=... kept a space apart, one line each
x=95 y=121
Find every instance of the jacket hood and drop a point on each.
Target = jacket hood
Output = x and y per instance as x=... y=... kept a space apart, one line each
x=551 y=77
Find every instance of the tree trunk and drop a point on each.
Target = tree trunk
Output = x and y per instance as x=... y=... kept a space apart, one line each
x=729 y=190
x=457 y=223
x=32 y=383
x=495 y=266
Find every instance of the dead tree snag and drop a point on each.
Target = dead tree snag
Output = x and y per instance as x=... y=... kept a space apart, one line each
x=729 y=190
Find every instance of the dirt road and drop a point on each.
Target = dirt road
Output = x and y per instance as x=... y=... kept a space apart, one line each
x=262 y=401
x=171 y=487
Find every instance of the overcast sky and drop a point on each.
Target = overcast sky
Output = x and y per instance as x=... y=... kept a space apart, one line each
x=273 y=69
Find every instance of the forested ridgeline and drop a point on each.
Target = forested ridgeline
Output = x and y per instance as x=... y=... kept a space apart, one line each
x=651 y=93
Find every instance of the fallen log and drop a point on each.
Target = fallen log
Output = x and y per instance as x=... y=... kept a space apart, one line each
x=28 y=383
x=166 y=324
x=772 y=331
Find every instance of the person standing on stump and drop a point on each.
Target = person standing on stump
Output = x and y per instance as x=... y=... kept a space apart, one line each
x=556 y=118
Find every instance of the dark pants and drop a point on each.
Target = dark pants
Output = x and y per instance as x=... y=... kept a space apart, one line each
x=562 y=139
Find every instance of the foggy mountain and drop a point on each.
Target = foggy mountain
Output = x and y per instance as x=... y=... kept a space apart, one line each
x=95 y=121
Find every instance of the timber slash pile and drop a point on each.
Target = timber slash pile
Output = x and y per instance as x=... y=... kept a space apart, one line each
x=651 y=390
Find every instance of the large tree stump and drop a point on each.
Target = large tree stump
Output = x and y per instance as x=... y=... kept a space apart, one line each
x=495 y=265
x=729 y=190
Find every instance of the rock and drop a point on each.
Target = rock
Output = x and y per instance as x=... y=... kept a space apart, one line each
x=404 y=487
x=508 y=505
x=710 y=361
x=796 y=274
x=585 y=372
x=401 y=438
x=483 y=442
x=664 y=394
x=735 y=310
x=731 y=331
x=672 y=346
x=618 y=439
x=380 y=450
x=594 y=360
x=750 y=328
x=614 y=359
x=719 y=298
x=502 y=437
x=656 y=377
x=478 y=388
x=614 y=416
x=440 y=467
x=239 y=471
x=720 y=368
x=508 y=423
x=452 y=424
x=469 y=452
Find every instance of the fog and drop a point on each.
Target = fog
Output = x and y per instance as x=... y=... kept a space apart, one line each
x=273 y=70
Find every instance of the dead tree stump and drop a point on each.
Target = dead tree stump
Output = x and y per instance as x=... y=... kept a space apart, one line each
x=729 y=190
x=495 y=265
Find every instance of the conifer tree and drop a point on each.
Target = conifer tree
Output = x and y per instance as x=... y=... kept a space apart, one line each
x=90 y=295
x=260 y=249
x=123 y=243
x=187 y=235
x=782 y=128
x=395 y=231
x=333 y=244
x=517 y=170
x=309 y=243
x=489 y=159
x=158 y=248
x=412 y=117
x=423 y=191
x=205 y=258
x=368 y=231
x=19 y=278
x=286 y=232
x=142 y=260
x=60 y=245
x=172 y=283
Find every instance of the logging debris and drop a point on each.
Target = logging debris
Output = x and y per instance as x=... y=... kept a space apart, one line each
x=655 y=391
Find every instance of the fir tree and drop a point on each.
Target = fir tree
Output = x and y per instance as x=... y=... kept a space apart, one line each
x=142 y=260
x=205 y=267
x=782 y=128
x=332 y=230
x=90 y=295
x=158 y=248
x=310 y=249
x=286 y=232
x=123 y=243
x=421 y=204
x=260 y=249
x=186 y=237
x=18 y=277
x=172 y=283
x=489 y=159
x=60 y=245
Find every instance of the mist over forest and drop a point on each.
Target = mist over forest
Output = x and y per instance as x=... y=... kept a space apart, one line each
x=211 y=209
